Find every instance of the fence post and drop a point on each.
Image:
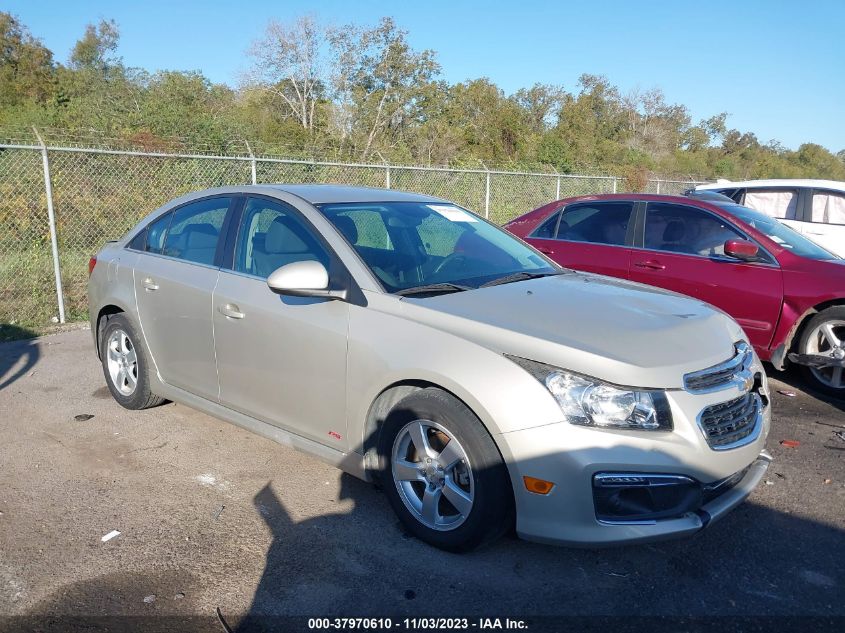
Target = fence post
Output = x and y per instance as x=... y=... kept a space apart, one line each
x=658 y=185
x=51 y=216
x=486 y=190
x=387 y=177
x=614 y=184
x=252 y=163
x=557 y=188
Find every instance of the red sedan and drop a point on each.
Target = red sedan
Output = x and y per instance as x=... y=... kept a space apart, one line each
x=786 y=292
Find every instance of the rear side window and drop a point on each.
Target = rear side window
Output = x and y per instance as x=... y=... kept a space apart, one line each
x=679 y=229
x=546 y=231
x=156 y=233
x=195 y=230
x=828 y=207
x=776 y=203
x=139 y=242
x=596 y=222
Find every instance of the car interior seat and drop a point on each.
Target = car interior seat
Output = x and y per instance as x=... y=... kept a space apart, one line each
x=285 y=242
x=673 y=234
x=196 y=243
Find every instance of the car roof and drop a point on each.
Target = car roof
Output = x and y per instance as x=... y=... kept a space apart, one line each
x=775 y=182
x=324 y=194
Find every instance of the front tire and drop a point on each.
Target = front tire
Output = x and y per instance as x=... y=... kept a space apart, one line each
x=825 y=336
x=442 y=473
x=125 y=364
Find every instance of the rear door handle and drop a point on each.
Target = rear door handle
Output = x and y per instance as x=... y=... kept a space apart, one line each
x=545 y=251
x=651 y=265
x=231 y=311
x=150 y=285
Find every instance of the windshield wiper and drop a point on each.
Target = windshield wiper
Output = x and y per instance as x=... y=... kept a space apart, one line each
x=441 y=288
x=520 y=276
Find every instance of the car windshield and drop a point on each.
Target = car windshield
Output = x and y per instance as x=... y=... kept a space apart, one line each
x=778 y=232
x=434 y=245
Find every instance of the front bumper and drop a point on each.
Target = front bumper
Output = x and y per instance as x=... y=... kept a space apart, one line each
x=571 y=456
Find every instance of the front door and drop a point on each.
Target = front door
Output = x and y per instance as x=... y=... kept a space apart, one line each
x=174 y=281
x=684 y=251
x=281 y=359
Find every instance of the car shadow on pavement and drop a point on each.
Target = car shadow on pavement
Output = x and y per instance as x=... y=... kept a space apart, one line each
x=16 y=359
x=759 y=560
x=792 y=377
x=762 y=559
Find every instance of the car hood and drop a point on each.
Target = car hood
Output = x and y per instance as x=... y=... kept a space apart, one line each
x=618 y=331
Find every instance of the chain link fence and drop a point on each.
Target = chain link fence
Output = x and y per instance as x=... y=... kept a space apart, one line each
x=98 y=194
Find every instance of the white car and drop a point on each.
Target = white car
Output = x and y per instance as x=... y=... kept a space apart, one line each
x=815 y=208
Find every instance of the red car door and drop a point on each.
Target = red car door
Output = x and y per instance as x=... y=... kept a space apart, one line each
x=589 y=236
x=683 y=250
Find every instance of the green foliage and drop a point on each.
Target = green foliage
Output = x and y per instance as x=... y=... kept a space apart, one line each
x=364 y=93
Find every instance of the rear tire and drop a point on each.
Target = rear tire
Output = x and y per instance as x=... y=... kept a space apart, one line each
x=825 y=335
x=443 y=474
x=125 y=364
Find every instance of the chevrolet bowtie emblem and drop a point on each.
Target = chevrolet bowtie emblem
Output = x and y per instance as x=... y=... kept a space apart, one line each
x=745 y=380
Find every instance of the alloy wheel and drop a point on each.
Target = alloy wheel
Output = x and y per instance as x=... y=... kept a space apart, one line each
x=828 y=339
x=433 y=475
x=122 y=362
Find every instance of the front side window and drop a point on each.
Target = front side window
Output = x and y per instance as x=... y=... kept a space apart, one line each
x=412 y=244
x=776 y=203
x=195 y=230
x=596 y=222
x=679 y=229
x=828 y=207
x=272 y=235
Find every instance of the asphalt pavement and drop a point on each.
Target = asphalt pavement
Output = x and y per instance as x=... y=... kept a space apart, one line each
x=211 y=516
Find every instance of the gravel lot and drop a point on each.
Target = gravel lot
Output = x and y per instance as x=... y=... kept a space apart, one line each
x=211 y=516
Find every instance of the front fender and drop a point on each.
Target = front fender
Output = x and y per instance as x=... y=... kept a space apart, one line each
x=386 y=349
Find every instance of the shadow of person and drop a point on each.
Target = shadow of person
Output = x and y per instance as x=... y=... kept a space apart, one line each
x=302 y=561
x=16 y=359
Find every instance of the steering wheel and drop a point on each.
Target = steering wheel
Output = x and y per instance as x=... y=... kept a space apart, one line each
x=450 y=260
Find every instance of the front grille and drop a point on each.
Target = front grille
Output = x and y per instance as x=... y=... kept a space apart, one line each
x=721 y=376
x=726 y=425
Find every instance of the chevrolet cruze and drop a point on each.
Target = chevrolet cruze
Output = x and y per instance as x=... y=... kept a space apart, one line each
x=410 y=342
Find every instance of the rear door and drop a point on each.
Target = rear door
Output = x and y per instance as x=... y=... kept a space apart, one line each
x=590 y=236
x=825 y=219
x=175 y=276
x=683 y=250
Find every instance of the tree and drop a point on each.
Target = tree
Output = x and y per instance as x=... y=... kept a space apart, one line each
x=541 y=103
x=95 y=49
x=292 y=63
x=379 y=79
x=27 y=71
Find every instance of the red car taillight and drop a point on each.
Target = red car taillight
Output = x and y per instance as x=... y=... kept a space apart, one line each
x=91 y=263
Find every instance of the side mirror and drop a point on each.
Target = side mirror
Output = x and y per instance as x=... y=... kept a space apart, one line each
x=303 y=279
x=742 y=249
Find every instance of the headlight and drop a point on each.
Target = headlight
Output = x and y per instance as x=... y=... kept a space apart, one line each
x=590 y=402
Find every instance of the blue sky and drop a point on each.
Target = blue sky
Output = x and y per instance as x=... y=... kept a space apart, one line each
x=777 y=67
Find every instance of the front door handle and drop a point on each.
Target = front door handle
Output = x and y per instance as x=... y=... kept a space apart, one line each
x=150 y=285
x=231 y=311
x=651 y=265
